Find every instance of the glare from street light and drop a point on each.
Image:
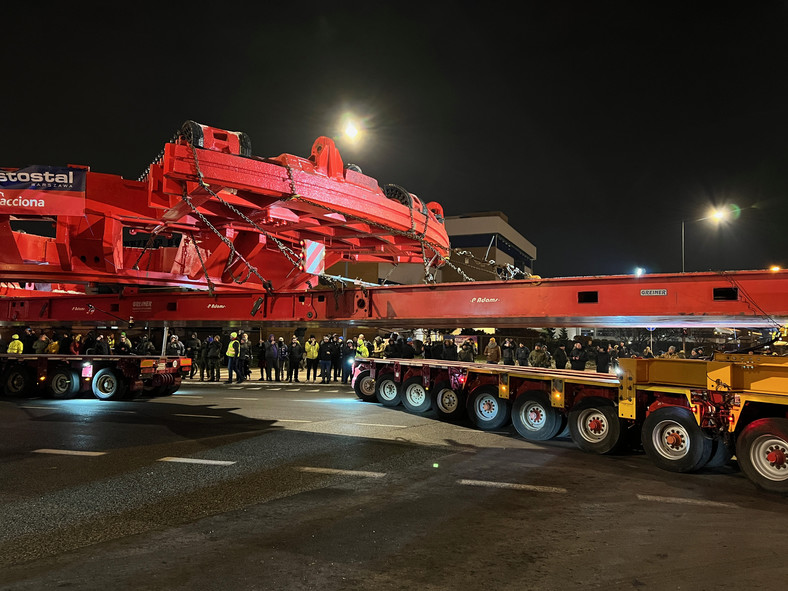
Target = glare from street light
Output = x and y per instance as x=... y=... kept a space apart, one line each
x=639 y=271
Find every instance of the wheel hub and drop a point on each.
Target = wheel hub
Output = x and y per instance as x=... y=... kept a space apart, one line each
x=596 y=425
x=776 y=457
x=674 y=440
x=535 y=415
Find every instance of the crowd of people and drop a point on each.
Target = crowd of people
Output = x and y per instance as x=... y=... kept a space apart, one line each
x=328 y=359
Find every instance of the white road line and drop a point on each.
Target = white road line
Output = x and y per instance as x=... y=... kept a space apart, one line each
x=684 y=501
x=381 y=425
x=315 y=390
x=274 y=389
x=242 y=398
x=186 y=396
x=333 y=471
x=198 y=416
x=292 y=421
x=510 y=485
x=235 y=388
x=69 y=452
x=197 y=461
x=256 y=388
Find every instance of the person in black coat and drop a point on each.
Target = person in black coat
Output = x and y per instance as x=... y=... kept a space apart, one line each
x=602 y=360
x=450 y=352
x=507 y=352
x=578 y=357
x=560 y=357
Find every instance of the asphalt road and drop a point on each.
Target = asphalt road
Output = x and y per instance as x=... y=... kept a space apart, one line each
x=268 y=486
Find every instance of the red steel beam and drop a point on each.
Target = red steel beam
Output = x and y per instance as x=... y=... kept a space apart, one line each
x=729 y=299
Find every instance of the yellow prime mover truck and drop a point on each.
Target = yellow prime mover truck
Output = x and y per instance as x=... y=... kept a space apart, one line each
x=687 y=414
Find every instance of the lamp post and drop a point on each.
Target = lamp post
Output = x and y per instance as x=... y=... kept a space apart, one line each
x=718 y=215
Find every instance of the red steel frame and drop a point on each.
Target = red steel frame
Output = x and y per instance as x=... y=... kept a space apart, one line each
x=730 y=299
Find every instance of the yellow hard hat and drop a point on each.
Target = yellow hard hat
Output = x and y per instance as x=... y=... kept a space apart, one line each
x=16 y=336
x=233 y=335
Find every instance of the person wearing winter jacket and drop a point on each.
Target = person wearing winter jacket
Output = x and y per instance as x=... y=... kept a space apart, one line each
x=521 y=354
x=560 y=357
x=271 y=355
x=507 y=352
x=578 y=357
x=295 y=353
x=492 y=351
x=324 y=355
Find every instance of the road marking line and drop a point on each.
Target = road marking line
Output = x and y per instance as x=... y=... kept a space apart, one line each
x=242 y=398
x=510 y=485
x=197 y=461
x=684 y=501
x=236 y=388
x=186 y=396
x=274 y=389
x=256 y=388
x=334 y=471
x=198 y=416
x=291 y=421
x=382 y=425
x=69 y=452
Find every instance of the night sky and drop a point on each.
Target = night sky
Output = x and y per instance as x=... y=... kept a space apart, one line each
x=597 y=127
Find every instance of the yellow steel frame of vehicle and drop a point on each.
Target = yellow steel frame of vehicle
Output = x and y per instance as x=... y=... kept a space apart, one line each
x=753 y=378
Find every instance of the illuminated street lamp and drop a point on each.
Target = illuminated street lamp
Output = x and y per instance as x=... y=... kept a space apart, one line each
x=716 y=215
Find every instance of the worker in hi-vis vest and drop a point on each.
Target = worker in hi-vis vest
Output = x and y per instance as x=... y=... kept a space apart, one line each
x=232 y=354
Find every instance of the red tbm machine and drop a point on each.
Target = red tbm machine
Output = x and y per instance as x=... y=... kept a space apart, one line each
x=212 y=235
x=206 y=218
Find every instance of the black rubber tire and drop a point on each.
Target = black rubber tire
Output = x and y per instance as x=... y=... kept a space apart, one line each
x=673 y=440
x=594 y=426
x=18 y=381
x=63 y=384
x=721 y=454
x=534 y=418
x=762 y=449
x=486 y=410
x=387 y=391
x=364 y=387
x=449 y=404
x=415 y=397
x=108 y=385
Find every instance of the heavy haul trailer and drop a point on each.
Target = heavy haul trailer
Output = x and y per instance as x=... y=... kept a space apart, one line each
x=687 y=414
x=107 y=377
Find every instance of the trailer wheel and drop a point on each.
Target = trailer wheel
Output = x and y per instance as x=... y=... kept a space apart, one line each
x=365 y=386
x=107 y=385
x=486 y=410
x=64 y=383
x=534 y=418
x=18 y=380
x=449 y=404
x=415 y=397
x=674 y=441
x=387 y=391
x=594 y=426
x=762 y=452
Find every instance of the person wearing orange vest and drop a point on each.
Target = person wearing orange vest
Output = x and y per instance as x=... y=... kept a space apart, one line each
x=233 y=360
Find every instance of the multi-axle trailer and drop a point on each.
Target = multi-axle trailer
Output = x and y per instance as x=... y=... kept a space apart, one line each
x=686 y=414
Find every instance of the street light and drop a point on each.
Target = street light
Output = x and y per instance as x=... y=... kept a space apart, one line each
x=716 y=214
